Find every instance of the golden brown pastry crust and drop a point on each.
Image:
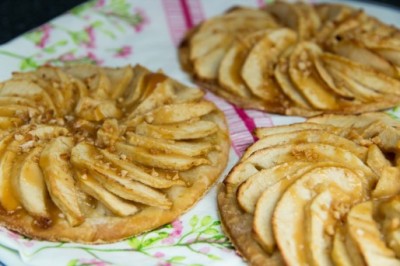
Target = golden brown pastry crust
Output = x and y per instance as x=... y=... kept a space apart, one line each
x=375 y=135
x=205 y=68
x=102 y=226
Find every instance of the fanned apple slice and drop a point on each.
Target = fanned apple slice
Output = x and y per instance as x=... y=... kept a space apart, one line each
x=388 y=213
x=96 y=110
x=229 y=76
x=334 y=84
x=181 y=112
x=392 y=54
x=159 y=160
x=120 y=78
x=310 y=136
x=331 y=15
x=250 y=190
x=30 y=185
x=377 y=160
x=115 y=204
x=266 y=203
x=206 y=67
x=59 y=178
x=319 y=223
x=17 y=100
x=138 y=174
x=83 y=157
x=8 y=200
x=364 y=75
x=289 y=212
x=170 y=146
x=291 y=16
x=203 y=46
x=388 y=184
x=136 y=86
x=262 y=132
x=304 y=75
x=357 y=90
x=10 y=122
x=365 y=234
x=281 y=74
x=311 y=152
x=258 y=67
x=339 y=255
x=26 y=89
x=18 y=111
x=181 y=131
x=159 y=92
x=356 y=52
x=354 y=121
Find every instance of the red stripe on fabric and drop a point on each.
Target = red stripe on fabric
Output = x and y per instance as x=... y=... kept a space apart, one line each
x=175 y=20
x=186 y=14
x=196 y=11
x=248 y=121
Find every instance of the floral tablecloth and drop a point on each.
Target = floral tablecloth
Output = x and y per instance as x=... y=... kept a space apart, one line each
x=120 y=32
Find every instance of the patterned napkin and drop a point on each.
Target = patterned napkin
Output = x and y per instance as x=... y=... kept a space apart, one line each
x=116 y=33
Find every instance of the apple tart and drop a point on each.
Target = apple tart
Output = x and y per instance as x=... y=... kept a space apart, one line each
x=297 y=59
x=322 y=192
x=95 y=155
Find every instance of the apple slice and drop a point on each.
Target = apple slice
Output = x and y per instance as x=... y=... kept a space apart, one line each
x=340 y=255
x=310 y=136
x=364 y=75
x=27 y=89
x=377 y=160
x=176 y=113
x=360 y=54
x=10 y=122
x=291 y=16
x=170 y=146
x=388 y=184
x=388 y=213
x=138 y=174
x=332 y=81
x=257 y=70
x=364 y=233
x=181 y=131
x=115 y=204
x=229 y=76
x=206 y=67
x=120 y=79
x=266 y=203
x=83 y=156
x=136 y=86
x=30 y=186
x=281 y=74
x=262 y=132
x=17 y=100
x=304 y=75
x=159 y=160
x=289 y=213
x=250 y=190
x=59 y=178
x=8 y=200
x=311 y=152
x=162 y=92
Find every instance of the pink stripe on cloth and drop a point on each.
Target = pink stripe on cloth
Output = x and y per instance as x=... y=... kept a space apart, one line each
x=175 y=20
x=196 y=11
x=186 y=14
x=248 y=121
x=239 y=132
x=260 y=119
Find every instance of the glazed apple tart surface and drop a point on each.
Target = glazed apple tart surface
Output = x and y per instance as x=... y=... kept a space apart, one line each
x=322 y=192
x=94 y=155
x=297 y=59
